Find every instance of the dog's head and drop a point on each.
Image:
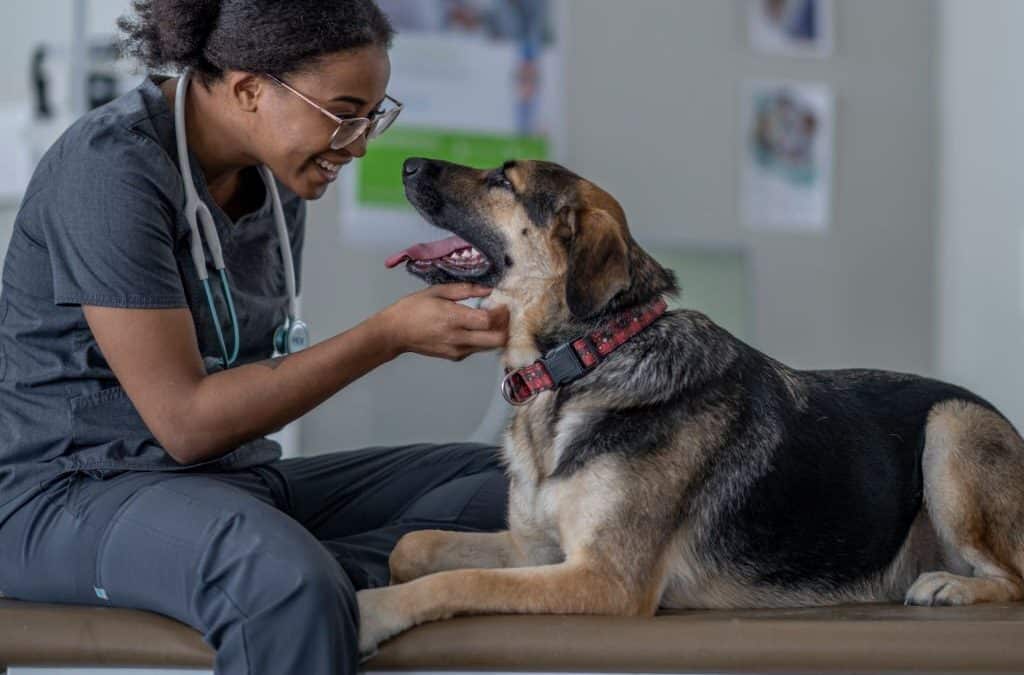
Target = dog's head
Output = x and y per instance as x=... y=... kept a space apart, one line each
x=550 y=242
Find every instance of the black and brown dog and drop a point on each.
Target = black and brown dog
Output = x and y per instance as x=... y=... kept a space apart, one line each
x=689 y=470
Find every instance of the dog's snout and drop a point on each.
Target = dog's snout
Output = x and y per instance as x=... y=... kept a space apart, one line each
x=412 y=166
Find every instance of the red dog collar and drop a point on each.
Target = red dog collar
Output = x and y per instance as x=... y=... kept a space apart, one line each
x=572 y=360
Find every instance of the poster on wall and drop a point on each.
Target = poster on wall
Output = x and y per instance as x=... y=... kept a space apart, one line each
x=791 y=27
x=787 y=145
x=481 y=82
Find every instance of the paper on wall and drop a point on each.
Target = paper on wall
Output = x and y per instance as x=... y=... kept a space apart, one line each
x=787 y=155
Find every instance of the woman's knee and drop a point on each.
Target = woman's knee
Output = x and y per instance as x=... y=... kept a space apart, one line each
x=272 y=566
x=214 y=555
x=322 y=588
x=292 y=596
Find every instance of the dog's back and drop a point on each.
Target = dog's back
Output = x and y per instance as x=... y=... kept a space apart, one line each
x=810 y=492
x=814 y=491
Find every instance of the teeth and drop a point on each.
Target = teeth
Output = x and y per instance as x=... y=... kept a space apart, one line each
x=327 y=166
x=467 y=257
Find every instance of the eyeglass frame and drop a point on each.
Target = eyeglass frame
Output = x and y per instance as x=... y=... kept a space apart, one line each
x=365 y=124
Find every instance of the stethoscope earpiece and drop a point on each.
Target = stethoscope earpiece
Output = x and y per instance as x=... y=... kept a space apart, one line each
x=292 y=335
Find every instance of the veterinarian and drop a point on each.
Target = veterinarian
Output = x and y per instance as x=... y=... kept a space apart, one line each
x=135 y=395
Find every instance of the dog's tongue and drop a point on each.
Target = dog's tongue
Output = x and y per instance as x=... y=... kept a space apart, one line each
x=428 y=251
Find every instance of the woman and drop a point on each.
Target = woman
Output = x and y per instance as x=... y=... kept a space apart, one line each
x=133 y=468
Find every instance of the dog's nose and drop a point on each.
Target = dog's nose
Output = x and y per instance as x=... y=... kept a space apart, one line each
x=412 y=166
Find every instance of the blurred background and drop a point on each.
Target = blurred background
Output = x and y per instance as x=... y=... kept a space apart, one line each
x=835 y=182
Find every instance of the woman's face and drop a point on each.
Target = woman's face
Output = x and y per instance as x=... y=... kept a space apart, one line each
x=293 y=137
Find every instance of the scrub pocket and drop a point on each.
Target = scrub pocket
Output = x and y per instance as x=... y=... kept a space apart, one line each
x=105 y=416
x=75 y=489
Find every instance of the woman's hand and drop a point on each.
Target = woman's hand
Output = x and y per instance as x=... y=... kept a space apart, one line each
x=433 y=323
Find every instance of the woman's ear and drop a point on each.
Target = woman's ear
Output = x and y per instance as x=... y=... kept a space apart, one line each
x=246 y=90
x=598 y=260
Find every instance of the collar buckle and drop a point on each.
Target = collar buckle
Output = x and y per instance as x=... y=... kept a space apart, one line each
x=563 y=364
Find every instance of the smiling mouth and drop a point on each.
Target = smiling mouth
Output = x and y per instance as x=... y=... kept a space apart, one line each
x=329 y=170
x=454 y=255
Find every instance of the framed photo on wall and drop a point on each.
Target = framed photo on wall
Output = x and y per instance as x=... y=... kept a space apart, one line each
x=788 y=138
x=792 y=27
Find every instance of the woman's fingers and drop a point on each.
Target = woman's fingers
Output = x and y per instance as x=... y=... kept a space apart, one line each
x=459 y=291
x=499 y=317
x=482 y=328
x=483 y=339
x=495 y=319
x=432 y=322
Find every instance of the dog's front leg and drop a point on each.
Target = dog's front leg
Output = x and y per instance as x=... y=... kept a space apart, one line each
x=572 y=587
x=428 y=551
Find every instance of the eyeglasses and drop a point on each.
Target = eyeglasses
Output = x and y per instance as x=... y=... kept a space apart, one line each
x=351 y=128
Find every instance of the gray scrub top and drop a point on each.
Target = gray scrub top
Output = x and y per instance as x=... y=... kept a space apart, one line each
x=101 y=223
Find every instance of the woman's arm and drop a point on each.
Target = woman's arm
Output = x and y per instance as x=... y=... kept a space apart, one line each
x=195 y=417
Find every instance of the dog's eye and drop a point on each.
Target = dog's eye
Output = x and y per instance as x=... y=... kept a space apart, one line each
x=497 y=179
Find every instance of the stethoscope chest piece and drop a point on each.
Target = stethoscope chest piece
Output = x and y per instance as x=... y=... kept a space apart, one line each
x=291 y=336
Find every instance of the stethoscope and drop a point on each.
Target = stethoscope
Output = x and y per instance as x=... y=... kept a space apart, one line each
x=292 y=335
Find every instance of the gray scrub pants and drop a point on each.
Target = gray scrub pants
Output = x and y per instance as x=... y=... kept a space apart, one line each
x=264 y=561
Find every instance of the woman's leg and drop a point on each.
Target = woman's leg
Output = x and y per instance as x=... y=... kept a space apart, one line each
x=265 y=593
x=360 y=503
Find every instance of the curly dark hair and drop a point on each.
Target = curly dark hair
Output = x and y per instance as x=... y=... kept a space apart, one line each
x=278 y=37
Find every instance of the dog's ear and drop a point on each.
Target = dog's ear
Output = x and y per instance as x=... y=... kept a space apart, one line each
x=598 y=259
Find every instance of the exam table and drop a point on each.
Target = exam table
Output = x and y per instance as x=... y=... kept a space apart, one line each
x=80 y=640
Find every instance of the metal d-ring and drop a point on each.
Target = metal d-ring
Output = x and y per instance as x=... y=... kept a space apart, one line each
x=509 y=393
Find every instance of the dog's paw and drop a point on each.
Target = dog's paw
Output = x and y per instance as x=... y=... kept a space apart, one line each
x=379 y=618
x=940 y=588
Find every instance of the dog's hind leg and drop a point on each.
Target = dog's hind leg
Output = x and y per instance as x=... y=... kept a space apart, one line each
x=974 y=491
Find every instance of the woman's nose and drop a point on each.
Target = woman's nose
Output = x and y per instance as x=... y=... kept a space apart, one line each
x=357 y=148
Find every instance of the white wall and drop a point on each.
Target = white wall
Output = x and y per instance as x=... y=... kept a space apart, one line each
x=980 y=181
x=653 y=95
x=26 y=23
x=653 y=87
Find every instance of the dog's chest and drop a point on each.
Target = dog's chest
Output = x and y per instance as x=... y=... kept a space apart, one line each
x=539 y=436
x=533 y=448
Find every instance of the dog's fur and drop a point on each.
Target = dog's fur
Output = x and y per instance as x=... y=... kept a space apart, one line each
x=689 y=470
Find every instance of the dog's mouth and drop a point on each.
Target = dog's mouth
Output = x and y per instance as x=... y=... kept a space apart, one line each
x=454 y=256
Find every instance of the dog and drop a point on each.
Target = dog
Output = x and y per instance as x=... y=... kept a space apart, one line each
x=687 y=469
